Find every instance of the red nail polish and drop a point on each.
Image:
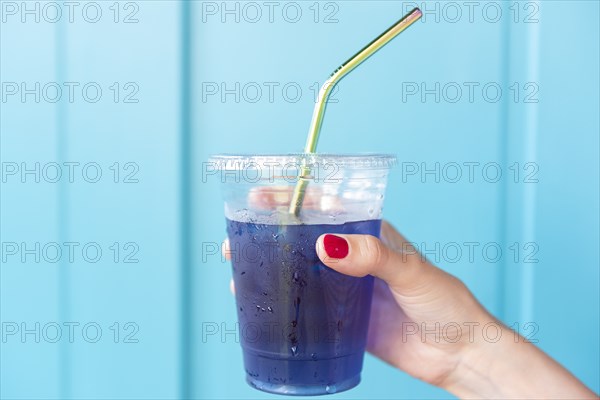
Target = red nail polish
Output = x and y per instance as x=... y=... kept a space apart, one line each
x=335 y=246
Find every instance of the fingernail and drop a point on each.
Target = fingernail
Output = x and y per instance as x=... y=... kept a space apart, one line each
x=335 y=246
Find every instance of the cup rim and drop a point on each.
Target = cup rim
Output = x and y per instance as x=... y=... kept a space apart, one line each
x=349 y=161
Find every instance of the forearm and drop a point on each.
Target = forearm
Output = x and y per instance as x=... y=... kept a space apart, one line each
x=513 y=368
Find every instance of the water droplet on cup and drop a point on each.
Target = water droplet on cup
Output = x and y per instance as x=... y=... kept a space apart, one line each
x=330 y=389
x=294 y=350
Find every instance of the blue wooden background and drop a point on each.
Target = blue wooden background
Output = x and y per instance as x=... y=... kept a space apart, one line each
x=188 y=75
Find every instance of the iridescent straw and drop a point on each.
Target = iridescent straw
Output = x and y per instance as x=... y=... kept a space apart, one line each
x=326 y=89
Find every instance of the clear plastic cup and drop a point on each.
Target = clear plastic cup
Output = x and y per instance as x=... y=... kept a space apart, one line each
x=303 y=326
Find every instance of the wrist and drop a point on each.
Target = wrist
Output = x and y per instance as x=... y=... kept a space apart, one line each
x=501 y=364
x=479 y=360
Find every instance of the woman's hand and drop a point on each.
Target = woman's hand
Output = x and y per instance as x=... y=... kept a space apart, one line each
x=420 y=315
x=427 y=323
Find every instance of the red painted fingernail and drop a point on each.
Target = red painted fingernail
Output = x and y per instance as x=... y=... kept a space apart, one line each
x=335 y=246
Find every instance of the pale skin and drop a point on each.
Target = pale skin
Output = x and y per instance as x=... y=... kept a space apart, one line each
x=412 y=295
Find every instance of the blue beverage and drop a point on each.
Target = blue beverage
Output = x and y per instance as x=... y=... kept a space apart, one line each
x=303 y=326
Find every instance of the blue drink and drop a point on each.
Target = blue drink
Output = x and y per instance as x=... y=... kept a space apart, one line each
x=303 y=326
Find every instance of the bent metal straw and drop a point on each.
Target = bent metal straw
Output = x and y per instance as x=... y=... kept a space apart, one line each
x=326 y=89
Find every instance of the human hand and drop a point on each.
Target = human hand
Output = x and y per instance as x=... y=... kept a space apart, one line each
x=418 y=312
x=427 y=323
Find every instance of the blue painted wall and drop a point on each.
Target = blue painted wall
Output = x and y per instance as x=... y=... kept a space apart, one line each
x=197 y=78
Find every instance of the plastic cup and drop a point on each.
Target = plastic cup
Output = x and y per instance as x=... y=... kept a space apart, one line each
x=303 y=326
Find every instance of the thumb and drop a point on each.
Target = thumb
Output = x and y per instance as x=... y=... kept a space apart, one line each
x=360 y=255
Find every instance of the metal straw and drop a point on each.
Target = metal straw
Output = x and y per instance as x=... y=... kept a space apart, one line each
x=334 y=78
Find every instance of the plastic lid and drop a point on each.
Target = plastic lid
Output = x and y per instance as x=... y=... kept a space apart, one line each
x=349 y=161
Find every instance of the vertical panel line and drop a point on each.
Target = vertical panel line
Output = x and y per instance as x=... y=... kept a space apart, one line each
x=185 y=202
x=503 y=154
x=530 y=191
x=64 y=311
